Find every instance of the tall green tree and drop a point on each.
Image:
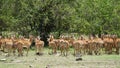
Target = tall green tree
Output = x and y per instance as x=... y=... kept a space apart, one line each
x=81 y=16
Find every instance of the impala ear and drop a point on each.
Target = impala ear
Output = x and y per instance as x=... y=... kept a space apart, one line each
x=38 y=37
x=0 y=37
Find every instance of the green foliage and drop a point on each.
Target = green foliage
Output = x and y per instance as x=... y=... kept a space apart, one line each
x=81 y=16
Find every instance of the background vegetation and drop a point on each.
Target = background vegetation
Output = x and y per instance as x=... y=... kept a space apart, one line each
x=60 y=16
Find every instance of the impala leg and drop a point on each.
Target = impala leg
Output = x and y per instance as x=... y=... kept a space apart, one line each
x=27 y=51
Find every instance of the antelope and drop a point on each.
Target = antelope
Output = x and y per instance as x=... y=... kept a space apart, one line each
x=78 y=46
x=8 y=44
x=23 y=43
x=39 y=45
x=98 y=45
x=53 y=43
x=108 y=43
x=64 y=47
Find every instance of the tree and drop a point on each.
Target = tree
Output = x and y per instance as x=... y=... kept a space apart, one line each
x=46 y=16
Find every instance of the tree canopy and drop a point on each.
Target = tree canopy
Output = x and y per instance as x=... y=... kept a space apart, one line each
x=79 y=16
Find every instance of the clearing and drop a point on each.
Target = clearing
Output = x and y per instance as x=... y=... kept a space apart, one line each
x=57 y=61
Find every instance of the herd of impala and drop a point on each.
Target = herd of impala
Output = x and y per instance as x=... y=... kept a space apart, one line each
x=92 y=45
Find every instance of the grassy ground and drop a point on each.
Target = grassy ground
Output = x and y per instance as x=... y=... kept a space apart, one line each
x=56 y=61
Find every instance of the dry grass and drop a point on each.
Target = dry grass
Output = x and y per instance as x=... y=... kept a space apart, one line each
x=56 y=61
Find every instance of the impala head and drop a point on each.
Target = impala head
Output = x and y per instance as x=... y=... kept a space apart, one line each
x=38 y=37
x=114 y=37
x=31 y=37
x=49 y=39
x=90 y=37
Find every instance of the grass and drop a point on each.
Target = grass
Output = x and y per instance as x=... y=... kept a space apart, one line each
x=55 y=61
